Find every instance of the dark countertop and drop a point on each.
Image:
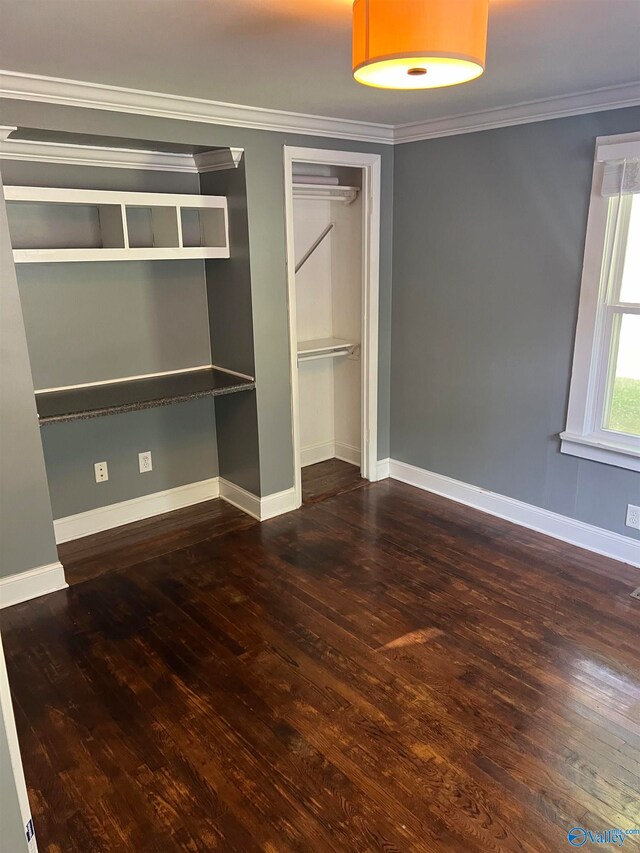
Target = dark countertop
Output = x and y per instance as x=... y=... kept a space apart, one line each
x=135 y=394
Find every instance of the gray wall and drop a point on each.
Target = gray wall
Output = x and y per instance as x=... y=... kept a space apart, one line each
x=231 y=322
x=87 y=322
x=229 y=279
x=26 y=531
x=265 y=201
x=489 y=232
x=238 y=444
x=181 y=438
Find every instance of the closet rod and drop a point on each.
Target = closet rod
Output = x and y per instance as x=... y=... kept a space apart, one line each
x=310 y=251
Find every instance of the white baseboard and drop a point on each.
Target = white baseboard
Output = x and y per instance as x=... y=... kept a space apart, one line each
x=277 y=504
x=329 y=450
x=596 y=539
x=382 y=469
x=317 y=453
x=259 y=508
x=240 y=498
x=137 y=509
x=31 y=584
x=347 y=453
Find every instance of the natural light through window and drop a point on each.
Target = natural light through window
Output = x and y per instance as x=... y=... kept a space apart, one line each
x=622 y=413
x=630 y=289
x=603 y=422
x=624 y=407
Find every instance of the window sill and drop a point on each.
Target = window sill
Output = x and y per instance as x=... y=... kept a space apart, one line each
x=594 y=448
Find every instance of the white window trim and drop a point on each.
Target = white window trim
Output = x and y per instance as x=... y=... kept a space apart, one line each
x=584 y=435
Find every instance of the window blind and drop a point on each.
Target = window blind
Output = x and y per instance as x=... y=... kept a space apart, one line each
x=621 y=159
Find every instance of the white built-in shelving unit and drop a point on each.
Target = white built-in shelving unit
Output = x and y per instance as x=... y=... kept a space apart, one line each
x=52 y=225
x=63 y=224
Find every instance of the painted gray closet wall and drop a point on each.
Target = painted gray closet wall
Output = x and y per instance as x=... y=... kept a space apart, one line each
x=181 y=438
x=26 y=531
x=238 y=443
x=489 y=232
x=265 y=201
x=91 y=321
x=105 y=320
x=231 y=324
x=229 y=279
x=99 y=178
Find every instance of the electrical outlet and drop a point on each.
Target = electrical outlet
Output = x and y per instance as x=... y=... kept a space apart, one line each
x=144 y=462
x=101 y=472
x=633 y=516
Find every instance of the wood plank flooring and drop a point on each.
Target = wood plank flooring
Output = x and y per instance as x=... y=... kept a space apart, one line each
x=125 y=546
x=381 y=671
x=327 y=479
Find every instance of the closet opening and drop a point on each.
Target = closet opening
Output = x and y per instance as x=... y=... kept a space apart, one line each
x=332 y=224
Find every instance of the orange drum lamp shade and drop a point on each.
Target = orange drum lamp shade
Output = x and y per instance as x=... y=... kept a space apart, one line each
x=419 y=44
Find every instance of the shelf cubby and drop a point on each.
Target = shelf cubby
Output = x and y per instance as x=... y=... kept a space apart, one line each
x=34 y=226
x=152 y=227
x=203 y=227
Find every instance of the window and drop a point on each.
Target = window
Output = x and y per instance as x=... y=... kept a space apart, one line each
x=603 y=421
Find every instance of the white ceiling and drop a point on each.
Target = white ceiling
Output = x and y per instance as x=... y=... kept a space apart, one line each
x=295 y=55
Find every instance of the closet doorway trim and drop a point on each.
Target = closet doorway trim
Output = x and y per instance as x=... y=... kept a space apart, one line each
x=371 y=169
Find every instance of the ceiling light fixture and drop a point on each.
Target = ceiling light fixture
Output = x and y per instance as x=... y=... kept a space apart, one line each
x=418 y=44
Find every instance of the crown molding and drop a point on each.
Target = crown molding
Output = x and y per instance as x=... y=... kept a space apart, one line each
x=598 y=100
x=116 y=158
x=89 y=155
x=221 y=158
x=75 y=93
x=53 y=90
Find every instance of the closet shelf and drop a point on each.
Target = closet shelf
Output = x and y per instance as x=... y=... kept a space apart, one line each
x=132 y=395
x=324 y=192
x=326 y=348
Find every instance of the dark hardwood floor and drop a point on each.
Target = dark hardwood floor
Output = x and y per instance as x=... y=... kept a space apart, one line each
x=328 y=479
x=125 y=546
x=384 y=670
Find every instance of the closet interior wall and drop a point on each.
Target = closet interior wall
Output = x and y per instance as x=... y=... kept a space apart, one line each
x=230 y=310
x=329 y=305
